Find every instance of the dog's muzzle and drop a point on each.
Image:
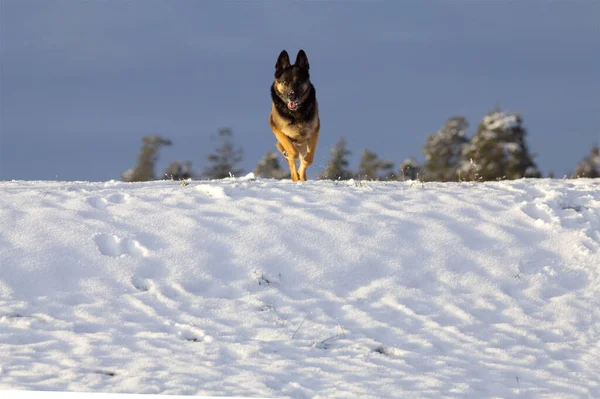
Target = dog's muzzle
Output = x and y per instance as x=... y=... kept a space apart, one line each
x=292 y=100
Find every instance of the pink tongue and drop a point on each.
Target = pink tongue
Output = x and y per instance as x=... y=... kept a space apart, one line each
x=292 y=104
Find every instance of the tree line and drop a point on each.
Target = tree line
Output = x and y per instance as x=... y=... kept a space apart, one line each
x=497 y=151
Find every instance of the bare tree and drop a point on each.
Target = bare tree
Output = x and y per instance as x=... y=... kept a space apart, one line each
x=144 y=170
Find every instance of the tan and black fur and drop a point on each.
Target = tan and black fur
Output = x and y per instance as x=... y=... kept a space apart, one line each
x=295 y=113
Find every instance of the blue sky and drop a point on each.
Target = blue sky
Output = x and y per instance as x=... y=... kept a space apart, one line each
x=82 y=82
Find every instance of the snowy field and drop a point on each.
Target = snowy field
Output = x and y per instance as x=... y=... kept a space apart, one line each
x=321 y=289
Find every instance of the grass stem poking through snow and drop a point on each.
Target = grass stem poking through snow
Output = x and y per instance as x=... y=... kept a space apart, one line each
x=297 y=329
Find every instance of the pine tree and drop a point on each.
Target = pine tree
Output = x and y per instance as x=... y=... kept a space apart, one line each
x=590 y=165
x=444 y=149
x=225 y=158
x=498 y=150
x=144 y=170
x=410 y=169
x=337 y=167
x=373 y=168
x=178 y=170
x=269 y=168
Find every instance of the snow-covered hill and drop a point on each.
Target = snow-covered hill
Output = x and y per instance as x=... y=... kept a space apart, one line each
x=321 y=289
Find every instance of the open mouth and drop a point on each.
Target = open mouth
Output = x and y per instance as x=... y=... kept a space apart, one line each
x=292 y=105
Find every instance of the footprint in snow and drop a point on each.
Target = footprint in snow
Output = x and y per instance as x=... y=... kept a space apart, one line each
x=98 y=202
x=118 y=198
x=104 y=202
x=541 y=213
x=142 y=284
x=111 y=245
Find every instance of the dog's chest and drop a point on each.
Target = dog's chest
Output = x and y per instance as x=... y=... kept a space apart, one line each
x=299 y=131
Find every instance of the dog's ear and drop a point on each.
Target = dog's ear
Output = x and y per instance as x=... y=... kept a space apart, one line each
x=302 y=60
x=283 y=62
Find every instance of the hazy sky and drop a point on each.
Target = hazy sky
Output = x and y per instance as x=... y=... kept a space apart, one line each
x=82 y=82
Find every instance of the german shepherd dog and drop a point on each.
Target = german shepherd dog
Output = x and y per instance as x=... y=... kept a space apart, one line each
x=295 y=113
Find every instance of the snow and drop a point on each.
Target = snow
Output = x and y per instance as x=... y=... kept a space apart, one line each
x=500 y=120
x=319 y=289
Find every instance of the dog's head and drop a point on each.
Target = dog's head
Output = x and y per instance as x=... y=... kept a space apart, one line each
x=292 y=82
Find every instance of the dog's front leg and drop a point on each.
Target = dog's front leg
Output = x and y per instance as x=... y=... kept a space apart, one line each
x=291 y=161
x=308 y=155
x=285 y=145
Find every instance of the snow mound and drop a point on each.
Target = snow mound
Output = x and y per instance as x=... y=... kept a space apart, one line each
x=320 y=289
